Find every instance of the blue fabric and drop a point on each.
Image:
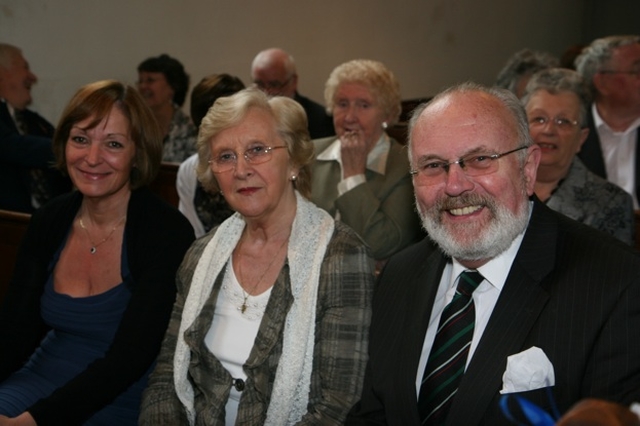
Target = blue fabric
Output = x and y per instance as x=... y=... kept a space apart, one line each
x=82 y=329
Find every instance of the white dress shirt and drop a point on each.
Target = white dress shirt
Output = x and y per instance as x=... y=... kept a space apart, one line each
x=619 y=152
x=186 y=183
x=495 y=274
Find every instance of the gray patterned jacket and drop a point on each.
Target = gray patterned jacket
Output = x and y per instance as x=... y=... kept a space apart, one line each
x=590 y=199
x=343 y=314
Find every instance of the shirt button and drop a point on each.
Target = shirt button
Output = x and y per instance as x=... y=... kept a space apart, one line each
x=238 y=384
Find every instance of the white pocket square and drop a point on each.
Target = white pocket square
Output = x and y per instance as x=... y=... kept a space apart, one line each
x=527 y=371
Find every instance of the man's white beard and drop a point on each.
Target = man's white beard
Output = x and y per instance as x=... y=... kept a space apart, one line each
x=478 y=241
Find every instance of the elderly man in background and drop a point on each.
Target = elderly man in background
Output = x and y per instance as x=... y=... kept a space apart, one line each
x=556 y=102
x=26 y=178
x=274 y=72
x=519 y=68
x=505 y=298
x=611 y=65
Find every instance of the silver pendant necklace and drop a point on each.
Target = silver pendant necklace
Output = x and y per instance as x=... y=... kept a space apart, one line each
x=94 y=246
x=245 y=295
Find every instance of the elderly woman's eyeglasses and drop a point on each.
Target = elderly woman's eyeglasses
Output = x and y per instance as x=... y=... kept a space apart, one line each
x=227 y=160
x=431 y=172
x=561 y=123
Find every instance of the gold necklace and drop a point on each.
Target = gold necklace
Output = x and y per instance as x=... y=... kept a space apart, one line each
x=94 y=246
x=245 y=295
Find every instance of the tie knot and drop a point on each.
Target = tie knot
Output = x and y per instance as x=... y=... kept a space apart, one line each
x=469 y=281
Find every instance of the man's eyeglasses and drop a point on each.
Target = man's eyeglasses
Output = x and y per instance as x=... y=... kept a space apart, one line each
x=561 y=123
x=227 y=160
x=273 y=85
x=633 y=71
x=432 y=172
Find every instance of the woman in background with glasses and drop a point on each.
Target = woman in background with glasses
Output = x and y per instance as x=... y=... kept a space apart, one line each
x=271 y=321
x=556 y=102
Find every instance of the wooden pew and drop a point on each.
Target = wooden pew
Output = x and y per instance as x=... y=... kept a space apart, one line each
x=400 y=130
x=408 y=105
x=164 y=184
x=13 y=226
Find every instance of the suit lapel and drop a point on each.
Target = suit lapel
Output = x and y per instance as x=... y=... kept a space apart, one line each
x=6 y=118
x=591 y=151
x=424 y=276
x=521 y=300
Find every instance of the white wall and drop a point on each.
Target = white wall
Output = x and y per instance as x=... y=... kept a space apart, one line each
x=429 y=44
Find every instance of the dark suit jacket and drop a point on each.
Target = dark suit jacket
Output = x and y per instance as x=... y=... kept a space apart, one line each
x=571 y=291
x=591 y=154
x=319 y=122
x=21 y=153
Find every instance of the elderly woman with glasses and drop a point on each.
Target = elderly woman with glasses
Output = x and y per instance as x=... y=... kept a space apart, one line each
x=556 y=102
x=271 y=321
x=361 y=177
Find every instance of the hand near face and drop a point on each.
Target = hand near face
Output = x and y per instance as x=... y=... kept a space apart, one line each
x=354 y=150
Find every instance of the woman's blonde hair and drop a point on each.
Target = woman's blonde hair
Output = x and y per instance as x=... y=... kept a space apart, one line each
x=374 y=75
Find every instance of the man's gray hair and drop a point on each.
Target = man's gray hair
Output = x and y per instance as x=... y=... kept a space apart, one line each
x=596 y=56
x=8 y=53
x=523 y=63
x=558 y=80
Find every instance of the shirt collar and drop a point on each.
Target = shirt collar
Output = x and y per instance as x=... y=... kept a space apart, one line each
x=376 y=160
x=600 y=124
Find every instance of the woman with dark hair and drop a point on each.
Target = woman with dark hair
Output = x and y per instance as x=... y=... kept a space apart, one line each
x=95 y=272
x=204 y=209
x=163 y=83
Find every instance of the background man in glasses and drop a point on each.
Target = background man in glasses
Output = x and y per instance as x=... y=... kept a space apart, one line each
x=274 y=72
x=611 y=65
x=552 y=314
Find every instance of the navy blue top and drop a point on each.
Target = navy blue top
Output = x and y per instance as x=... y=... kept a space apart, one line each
x=82 y=330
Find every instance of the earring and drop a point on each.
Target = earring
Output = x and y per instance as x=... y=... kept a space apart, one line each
x=293 y=178
x=384 y=125
x=221 y=193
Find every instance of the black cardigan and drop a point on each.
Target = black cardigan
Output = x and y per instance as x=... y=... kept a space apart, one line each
x=157 y=236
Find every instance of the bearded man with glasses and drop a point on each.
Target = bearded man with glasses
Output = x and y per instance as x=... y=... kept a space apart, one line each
x=544 y=308
x=611 y=65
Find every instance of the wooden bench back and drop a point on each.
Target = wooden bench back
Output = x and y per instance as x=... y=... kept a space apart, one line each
x=164 y=184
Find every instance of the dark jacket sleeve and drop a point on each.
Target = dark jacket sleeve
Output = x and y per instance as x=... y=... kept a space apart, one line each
x=157 y=238
x=33 y=150
x=21 y=326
